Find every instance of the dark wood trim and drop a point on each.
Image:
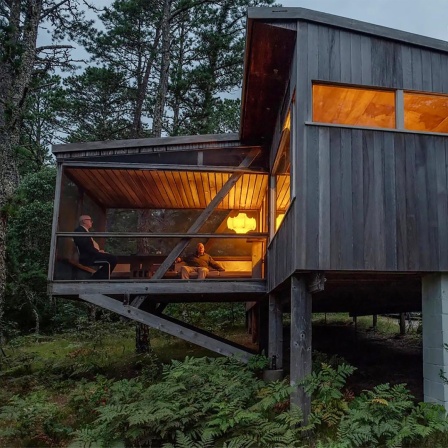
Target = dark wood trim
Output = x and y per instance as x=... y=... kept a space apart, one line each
x=57 y=200
x=364 y=128
x=334 y=21
x=161 y=167
x=164 y=142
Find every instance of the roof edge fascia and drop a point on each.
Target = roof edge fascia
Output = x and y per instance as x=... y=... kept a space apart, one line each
x=145 y=142
x=309 y=15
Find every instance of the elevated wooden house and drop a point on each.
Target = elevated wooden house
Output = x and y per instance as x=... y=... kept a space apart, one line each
x=338 y=176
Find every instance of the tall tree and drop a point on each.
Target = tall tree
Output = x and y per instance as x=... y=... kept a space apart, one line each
x=207 y=66
x=39 y=126
x=28 y=237
x=95 y=105
x=20 y=60
x=128 y=44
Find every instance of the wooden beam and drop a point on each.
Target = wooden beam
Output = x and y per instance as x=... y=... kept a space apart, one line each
x=399 y=109
x=162 y=142
x=275 y=351
x=161 y=235
x=272 y=206
x=162 y=167
x=316 y=282
x=155 y=289
x=233 y=179
x=300 y=342
x=174 y=329
x=138 y=301
x=57 y=201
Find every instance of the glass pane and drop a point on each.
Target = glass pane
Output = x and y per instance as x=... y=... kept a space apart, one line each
x=424 y=112
x=353 y=106
x=283 y=173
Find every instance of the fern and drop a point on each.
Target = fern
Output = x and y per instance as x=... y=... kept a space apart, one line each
x=387 y=416
x=326 y=387
x=200 y=402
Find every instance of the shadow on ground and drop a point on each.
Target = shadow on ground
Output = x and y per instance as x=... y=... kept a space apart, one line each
x=378 y=358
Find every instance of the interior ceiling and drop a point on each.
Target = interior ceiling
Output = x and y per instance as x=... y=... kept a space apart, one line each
x=137 y=189
x=268 y=62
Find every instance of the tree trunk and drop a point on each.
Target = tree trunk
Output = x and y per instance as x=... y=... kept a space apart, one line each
x=136 y=129
x=213 y=63
x=15 y=79
x=177 y=94
x=164 y=69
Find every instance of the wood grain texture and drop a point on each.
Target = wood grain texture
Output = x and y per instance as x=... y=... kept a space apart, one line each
x=125 y=188
x=379 y=203
x=300 y=342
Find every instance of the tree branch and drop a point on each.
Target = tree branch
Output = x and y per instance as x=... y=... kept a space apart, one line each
x=49 y=11
x=55 y=47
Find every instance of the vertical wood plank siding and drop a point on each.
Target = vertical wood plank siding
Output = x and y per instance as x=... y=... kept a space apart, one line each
x=281 y=254
x=336 y=55
x=380 y=201
x=365 y=199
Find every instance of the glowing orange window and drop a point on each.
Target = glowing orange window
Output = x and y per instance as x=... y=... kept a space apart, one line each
x=353 y=106
x=423 y=112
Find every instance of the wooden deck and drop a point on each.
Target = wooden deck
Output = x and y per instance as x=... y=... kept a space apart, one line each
x=209 y=290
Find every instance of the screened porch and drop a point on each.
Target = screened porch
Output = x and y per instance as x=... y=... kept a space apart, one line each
x=150 y=209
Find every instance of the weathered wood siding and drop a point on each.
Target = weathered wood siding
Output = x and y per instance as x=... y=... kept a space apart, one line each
x=336 y=55
x=281 y=255
x=365 y=199
x=375 y=201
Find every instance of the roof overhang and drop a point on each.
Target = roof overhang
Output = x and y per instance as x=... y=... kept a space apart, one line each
x=270 y=43
x=269 y=53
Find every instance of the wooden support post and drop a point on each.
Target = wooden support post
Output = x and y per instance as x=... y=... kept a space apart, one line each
x=402 y=324
x=272 y=206
x=255 y=324
x=54 y=242
x=263 y=327
x=275 y=332
x=257 y=257
x=374 y=321
x=300 y=342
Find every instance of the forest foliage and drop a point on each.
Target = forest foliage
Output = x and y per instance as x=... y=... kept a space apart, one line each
x=153 y=68
x=88 y=387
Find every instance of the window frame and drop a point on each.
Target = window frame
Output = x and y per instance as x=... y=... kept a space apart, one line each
x=400 y=110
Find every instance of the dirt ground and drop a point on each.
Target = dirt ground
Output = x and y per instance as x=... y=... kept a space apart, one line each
x=378 y=358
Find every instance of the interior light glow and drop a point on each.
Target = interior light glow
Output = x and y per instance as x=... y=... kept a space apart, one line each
x=241 y=223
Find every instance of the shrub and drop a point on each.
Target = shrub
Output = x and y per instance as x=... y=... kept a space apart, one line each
x=199 y=402
x=34 y=420
x=387 y=416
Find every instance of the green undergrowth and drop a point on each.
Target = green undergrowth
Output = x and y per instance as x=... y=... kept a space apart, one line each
x=88 y=388
x=386 y=326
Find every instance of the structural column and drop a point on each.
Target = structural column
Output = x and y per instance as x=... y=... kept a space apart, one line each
x=435 y=334
x=300 y=341
x=275 y=351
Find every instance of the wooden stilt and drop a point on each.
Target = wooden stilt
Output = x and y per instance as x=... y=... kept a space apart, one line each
x=300 y=342
x=402 y=324
x=275 y=351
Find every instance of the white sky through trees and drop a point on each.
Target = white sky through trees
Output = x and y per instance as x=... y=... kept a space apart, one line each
x=426 y=17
